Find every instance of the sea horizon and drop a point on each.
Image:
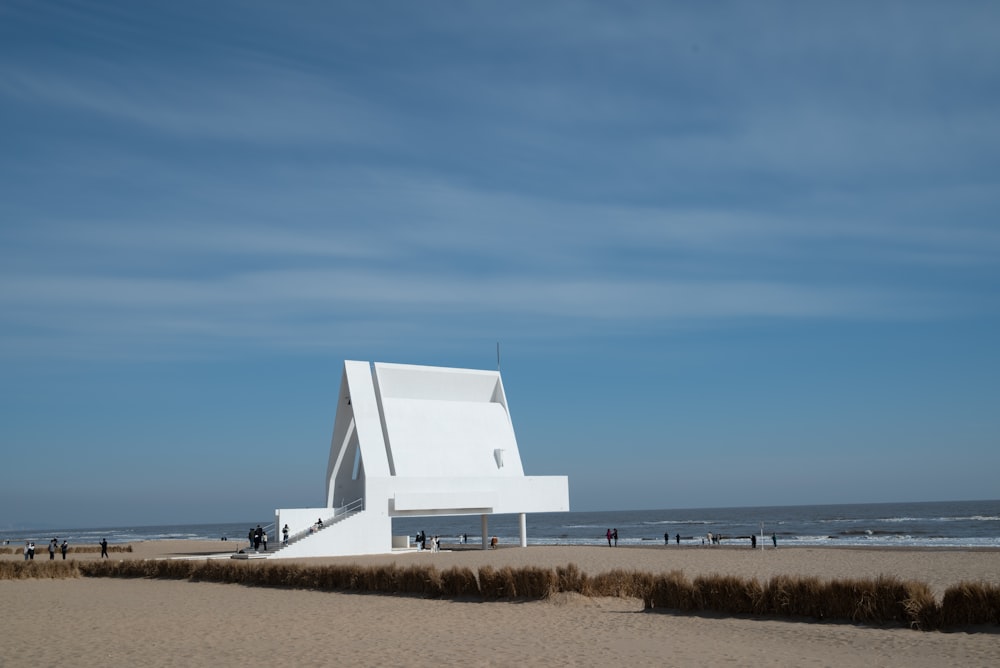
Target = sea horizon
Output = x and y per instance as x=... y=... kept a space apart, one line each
x=903 y=524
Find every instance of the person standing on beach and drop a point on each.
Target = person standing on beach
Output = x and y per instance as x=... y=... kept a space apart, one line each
x=615 y=536
x=27 y=545
x=52 y=549
x=774 y=539
x=104 y=548
x=609 y=537
x=678 y=539
x=666 y=539
x=65 y=547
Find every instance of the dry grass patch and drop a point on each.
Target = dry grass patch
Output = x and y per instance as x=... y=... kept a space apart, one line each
x=494 y=584
x=728 y=593
x=621 y=584
x=459 y=582
x=883 y=600
x=970 y=603
x=571 y=579
x=922 y=609
x=672 y=591
x=41 y=570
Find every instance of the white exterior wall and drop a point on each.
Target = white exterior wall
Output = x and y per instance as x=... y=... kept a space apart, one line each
x=475 y=496
x=358 y=425
x=430 y=437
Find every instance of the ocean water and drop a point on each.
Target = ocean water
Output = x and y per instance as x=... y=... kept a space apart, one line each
x=922 y=524
x=938 y=524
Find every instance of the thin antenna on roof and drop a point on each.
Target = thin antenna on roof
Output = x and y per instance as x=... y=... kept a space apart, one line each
x=498 y=356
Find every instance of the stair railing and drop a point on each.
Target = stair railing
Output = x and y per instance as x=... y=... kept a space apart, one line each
x=339 y=514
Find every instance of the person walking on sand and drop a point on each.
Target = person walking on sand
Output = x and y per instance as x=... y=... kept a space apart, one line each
x=609 y=537
x=65 y=547
x=104 y=548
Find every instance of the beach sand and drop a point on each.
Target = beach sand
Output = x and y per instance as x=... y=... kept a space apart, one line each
x=96 y=621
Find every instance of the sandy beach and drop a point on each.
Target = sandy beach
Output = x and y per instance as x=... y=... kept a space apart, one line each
x=96 y=621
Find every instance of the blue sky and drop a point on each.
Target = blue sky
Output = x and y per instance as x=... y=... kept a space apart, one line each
x=734 y=254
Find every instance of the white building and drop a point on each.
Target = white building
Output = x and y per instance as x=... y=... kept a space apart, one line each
x=416 y=441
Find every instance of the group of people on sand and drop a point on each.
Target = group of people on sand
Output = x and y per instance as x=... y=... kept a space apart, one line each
x=612 y=536
x=753 y=540
x=716 y=539
x=435 y=541
x=421 y=541
x=55 y=546
x=29 y=549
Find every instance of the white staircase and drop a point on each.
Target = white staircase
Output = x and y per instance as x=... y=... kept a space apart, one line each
x=324 y=526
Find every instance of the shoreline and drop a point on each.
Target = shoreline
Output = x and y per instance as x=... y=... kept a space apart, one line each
x=235 y=545
x=167 y=547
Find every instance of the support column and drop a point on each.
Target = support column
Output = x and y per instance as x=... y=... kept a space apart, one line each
x=524 y=530
x=485 y=531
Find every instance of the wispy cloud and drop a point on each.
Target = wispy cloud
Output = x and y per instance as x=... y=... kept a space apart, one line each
x=785 y=214
x=264 y=105
x=642 y=169
x=150 y=313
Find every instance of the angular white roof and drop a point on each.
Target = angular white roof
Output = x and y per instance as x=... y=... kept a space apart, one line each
x=406 y=422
